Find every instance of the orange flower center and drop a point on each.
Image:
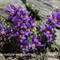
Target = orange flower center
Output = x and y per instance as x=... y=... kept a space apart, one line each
x=27 y=29
x=44 y=27
x=12 y=20
x=2 y=32
x=39 y=42
x=20 y=36
x=15 y=6
x=23 y=23
x=55 y=20
x=10 y=13
x=50 y=16
x=48 y=32
x=26 y=46
x=26 y=16
x=34 y=45
x=35 y=23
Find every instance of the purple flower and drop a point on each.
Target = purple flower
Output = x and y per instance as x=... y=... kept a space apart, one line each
x=54 y=18
x=9 y=10
x=13 y=6
x=33 y=23
x=44 y=27
x=9 y=30
x=22 y=37
x=24 y=13
x=47 y=30
x=27 y=32
x=23 y=26
x=11 y=35
x=33 y=47
x=2 y=33
x=13 y=11
x=24 y=45
x=38 y=42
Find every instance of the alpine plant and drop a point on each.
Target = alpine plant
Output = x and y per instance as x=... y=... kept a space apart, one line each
x=25 y=29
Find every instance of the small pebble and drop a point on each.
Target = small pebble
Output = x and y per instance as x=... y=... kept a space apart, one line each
x=9 y=58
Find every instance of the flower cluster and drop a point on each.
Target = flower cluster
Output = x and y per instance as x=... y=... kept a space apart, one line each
x=54 y=19
x=48 y=28
x=24 y=29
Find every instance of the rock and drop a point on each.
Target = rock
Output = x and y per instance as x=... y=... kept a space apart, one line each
x=2 y=57
x=52 y=55
x=46 y=7
x=52 y=59
x=9 y=58
x=58 y=38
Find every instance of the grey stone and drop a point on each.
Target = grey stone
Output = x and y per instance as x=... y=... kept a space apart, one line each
x=52 y=59
x=2 y=57
x=46 y=6
x=58 y=38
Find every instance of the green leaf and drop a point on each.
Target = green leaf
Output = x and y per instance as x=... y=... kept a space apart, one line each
x=53 y=47
x=37 y=10
x=29 y=39
x=39 y=22
x=29 y=5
